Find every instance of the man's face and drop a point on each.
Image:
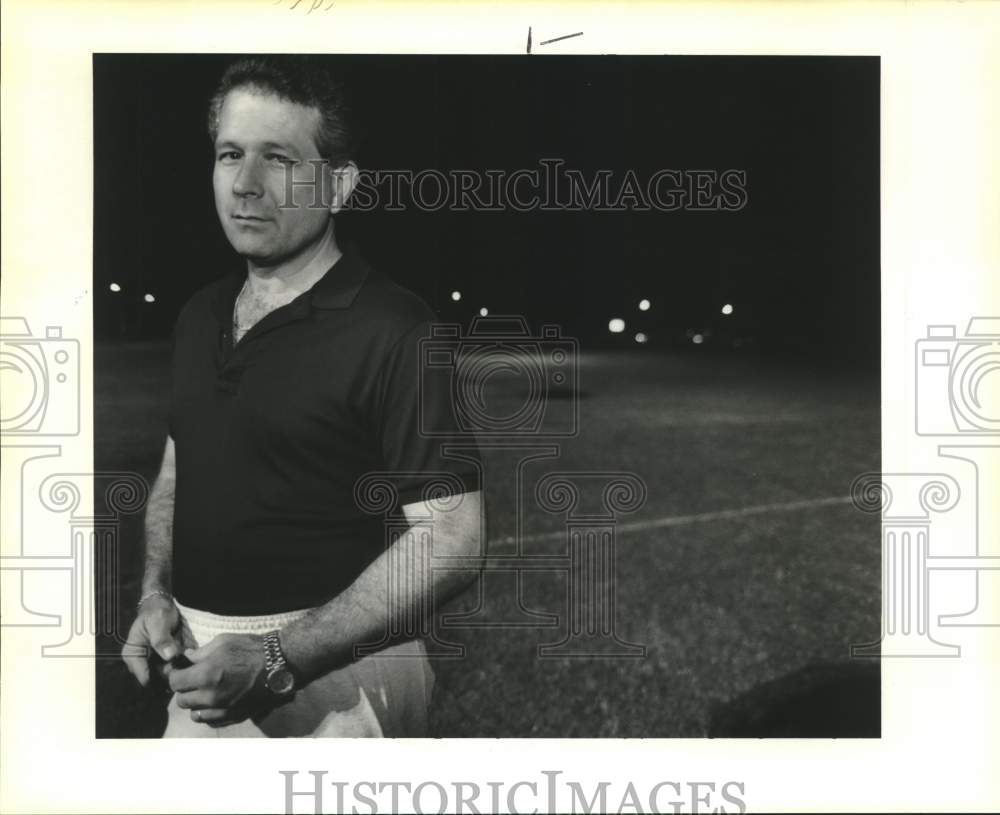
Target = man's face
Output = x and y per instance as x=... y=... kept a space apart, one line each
x=260 y=139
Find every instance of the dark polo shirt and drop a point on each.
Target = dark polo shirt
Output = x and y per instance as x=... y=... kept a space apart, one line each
x=273 y=435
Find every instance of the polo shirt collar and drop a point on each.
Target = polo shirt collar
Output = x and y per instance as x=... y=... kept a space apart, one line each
x=337 y=289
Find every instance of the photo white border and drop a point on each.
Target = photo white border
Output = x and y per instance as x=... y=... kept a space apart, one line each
x=941 y=263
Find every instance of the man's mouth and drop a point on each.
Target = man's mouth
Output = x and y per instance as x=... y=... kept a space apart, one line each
x=242 y=217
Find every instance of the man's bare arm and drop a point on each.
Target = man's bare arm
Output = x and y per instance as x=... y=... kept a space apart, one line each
x=157 y=626
x=228 y=672
x=159 y=526
x=362 y=614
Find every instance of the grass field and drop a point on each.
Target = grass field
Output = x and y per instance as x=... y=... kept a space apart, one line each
x=747 y=573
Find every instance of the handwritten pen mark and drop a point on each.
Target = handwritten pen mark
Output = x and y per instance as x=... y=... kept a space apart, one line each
x=554 y=39
x=314 y=7
x=563 y=37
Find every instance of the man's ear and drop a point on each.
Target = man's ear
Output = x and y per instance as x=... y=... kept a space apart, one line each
x=343 y=180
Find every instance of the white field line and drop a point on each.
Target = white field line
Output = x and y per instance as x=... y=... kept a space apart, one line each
x=701 y=517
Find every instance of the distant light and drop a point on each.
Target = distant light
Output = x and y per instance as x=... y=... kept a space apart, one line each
x=727 y=308
x=644 y=305
x=149 y=298
x=641 y=338
x=456 y=296
x=616 y=325
x=483 y=311
x=115 y=287
x=697 y=339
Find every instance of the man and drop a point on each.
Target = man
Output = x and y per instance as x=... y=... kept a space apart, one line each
x=290 y=384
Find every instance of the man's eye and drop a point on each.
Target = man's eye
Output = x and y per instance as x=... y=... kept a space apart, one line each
x=277 y=158
x=229 y=155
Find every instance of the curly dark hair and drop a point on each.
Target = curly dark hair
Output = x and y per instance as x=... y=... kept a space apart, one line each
x=302 y=79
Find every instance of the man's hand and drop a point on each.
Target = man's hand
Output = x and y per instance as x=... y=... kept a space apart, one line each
x=225 y=683
x=156 y=632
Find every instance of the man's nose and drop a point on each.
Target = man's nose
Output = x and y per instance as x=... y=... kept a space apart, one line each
x=247 y=181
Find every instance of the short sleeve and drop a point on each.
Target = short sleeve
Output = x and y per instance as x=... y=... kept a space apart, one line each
x=422 y=445
x=175 y=371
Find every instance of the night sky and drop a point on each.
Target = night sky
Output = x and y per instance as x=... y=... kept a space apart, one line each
x=799 y=263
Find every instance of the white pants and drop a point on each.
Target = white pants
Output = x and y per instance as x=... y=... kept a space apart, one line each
x=385 y=694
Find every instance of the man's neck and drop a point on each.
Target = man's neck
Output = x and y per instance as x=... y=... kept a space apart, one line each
x=295 y=276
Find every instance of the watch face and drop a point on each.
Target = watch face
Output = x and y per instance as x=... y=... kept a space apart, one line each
x=280 y=681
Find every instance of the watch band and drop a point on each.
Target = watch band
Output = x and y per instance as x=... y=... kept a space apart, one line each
x=279 y=678
x=273 y=656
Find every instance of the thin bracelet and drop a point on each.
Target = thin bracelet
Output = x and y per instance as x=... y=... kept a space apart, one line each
x=154 y=593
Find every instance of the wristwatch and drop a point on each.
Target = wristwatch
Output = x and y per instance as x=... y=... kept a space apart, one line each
x=279 y=678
